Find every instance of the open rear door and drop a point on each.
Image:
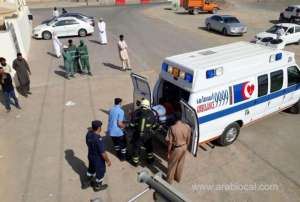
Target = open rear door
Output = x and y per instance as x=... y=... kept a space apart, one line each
x=189 y=116
x=141 y=89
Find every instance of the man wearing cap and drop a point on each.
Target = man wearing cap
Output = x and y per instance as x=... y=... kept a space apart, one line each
x=68 y=62
x=97 y=157
x=115 y=129
x=178 y=139
x=144 y=122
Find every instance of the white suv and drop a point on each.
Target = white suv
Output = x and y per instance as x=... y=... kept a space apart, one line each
x=291 y=14
x=63 y=26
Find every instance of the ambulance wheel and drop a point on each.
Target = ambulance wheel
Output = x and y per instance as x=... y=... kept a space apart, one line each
x=82 y=32
x=295 y=109
x=225 y=33
x=229 y=135
x=46 y=35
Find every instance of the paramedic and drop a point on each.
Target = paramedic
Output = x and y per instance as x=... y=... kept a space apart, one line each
x=144 y=122
x=178 y=138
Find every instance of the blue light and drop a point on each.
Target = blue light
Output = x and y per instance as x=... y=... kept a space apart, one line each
x=165 y=67
x=210 y=73
x=278 y=56
x=189 y=77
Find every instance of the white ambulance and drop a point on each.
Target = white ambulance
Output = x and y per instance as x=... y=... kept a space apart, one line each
x=219 y=90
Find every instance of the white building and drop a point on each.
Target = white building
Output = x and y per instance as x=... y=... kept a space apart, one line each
x=15 y=29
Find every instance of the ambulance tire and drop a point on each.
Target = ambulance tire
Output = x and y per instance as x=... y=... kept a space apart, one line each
x=229 y=135
x=295 y=109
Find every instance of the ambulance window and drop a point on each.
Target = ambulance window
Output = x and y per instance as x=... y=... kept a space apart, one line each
x=262 y=85
x=276 y=80
x=293 y=75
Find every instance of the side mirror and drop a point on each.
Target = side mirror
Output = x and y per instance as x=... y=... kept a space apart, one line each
x=221 y=21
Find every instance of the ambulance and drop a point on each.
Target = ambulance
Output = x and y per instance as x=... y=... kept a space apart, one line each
x=222 y=89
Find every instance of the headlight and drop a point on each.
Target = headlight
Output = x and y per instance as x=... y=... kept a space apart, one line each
x=234 y=29
x=36 y=30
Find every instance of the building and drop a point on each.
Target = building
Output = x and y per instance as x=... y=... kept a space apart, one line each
x=15 y=29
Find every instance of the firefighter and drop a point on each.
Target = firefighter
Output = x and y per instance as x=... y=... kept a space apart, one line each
x=144 y=123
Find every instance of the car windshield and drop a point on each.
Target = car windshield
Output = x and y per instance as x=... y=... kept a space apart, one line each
x=231 y=20
x=275 y=28
x=50 y=20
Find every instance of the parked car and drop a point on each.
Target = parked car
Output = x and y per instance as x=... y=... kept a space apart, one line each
x=63 y=26
x=291 y=14
x=291 y=33
x=79 y=16
x=227 y=24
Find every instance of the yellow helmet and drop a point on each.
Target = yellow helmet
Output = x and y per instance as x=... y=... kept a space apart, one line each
x=145 y=103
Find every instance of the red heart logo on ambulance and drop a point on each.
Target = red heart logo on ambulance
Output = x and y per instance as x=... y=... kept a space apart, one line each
x=250 y=89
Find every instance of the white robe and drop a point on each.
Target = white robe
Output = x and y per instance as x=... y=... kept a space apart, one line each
x=57 y=46
x=123 y=50
x=55 y=13
x=102 y=32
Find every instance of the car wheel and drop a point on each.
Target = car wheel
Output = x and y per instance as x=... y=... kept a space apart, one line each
x=47 y=35
x=208 y=27
x=225 y=33
x=214 y=11
x=295 y=109
x=82 y=32
x=195 y=11
x=229 y=135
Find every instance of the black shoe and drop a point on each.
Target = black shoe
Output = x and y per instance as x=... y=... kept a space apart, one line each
x=18 y=107
x=90 y=74
x=29 y=93
x=99 y=187
x=87 y=182
x=8 y=110
x=150 y=161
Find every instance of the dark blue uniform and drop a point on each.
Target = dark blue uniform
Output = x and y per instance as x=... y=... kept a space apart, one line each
x=95 y=151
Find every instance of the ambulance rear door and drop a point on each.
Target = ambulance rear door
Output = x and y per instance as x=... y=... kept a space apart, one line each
x=189 y=116
x=141 y=89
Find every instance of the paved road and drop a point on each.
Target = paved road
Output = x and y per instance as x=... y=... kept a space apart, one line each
x=42 y=146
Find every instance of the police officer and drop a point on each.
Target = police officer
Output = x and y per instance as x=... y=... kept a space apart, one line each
x=144 y=122
x=97 y=157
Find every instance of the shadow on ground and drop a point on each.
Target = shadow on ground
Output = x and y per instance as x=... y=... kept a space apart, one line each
x=112 y=66
x=77 y=165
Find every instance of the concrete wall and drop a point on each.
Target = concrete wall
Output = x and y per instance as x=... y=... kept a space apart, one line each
x=20 y=28
x=9 y=52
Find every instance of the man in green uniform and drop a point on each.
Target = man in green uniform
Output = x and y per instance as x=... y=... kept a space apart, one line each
x=84 y=57
x=68 y=62
x=144 y=122
x=73 y=51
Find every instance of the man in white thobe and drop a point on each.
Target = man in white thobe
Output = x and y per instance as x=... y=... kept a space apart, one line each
x=102 y=31
x=56 y=45
x=124 y=53
x=55 y=12
x=280 y=32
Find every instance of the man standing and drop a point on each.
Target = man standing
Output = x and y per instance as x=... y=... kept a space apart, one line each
x=8 y=90
x=102 y=32
x=115 y=126
x=56 y=44
x=68 y=63
x=64 y=11
x=55 y=12
x=144 y=122
x=8 y=69
x=23 y=71
x=280 y=32
x=178 y=138
x=124 y=53
x=84 y=57
x=73 y=51
x=97 y=157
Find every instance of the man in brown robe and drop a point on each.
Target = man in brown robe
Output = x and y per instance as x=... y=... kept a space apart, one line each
x=23 y=72
x=178 y=139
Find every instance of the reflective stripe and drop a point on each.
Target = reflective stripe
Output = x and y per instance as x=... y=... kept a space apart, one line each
x=123 y=151
x=90 y=174
x=99 y=180
x=135 y=159
x=148 y=125
x=143 y=125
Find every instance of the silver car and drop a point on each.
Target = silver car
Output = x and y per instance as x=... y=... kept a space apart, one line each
x=226 y=24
